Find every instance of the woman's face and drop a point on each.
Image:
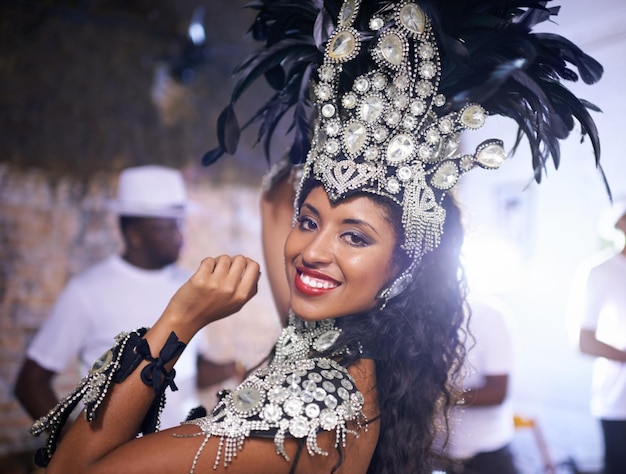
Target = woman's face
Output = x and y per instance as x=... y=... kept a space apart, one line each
x=338 y=257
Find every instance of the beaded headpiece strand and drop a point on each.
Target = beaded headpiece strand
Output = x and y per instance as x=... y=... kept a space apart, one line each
x=382 y=90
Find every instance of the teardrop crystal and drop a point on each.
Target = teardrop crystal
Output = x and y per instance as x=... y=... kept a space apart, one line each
x=342 y=46
x=347 y=13
x=400 y=148
x=452 y=146
x=371 y=108
x=355 y=137
x=413 y=18
x=446 y=175
x=491 y=155
x=391 y=49
x=473 y=117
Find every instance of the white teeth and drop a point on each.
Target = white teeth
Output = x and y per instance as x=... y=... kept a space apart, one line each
x=315 y=283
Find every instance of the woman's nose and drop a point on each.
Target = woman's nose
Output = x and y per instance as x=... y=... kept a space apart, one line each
x=319 y=250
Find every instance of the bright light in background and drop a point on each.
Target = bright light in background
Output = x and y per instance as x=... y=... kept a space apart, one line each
x=196 y=27
x=196 y=33
x=492 y=264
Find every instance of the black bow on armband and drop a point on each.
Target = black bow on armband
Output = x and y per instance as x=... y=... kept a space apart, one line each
x=155 y=374
x=114 y=366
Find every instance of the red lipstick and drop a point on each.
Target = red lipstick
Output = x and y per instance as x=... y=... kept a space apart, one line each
x=311 y=283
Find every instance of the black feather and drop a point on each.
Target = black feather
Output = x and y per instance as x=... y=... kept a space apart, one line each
x=489 y=55
x=212 y=156
x=228 y=130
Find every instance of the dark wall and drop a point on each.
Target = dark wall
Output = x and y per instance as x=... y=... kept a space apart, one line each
x=80 y=88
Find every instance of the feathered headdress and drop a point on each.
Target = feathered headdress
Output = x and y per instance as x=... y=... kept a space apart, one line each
x=489 y=53
x=380 y=91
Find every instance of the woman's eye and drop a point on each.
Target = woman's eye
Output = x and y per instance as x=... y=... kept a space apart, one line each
x=355 y=239
x=305 y=223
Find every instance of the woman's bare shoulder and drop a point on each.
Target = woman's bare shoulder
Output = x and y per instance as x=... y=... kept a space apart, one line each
x=169 y=452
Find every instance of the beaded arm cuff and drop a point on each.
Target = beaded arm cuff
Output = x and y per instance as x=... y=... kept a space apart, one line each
x=114 y=366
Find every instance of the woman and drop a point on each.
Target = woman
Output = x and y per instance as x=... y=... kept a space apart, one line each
x=374 y=294
x=331 y=245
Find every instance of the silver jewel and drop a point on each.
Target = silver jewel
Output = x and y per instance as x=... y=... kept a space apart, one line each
x=379 y=81
x=361 y=84
x=391 y=49
x=349 y=100
x=393 y=185
x=412 y=18
x=376 y=23
x=247 y=399
x=323 y=92
x=312 y=410
x=490 y=154
x=344 y=45
x=446 y=175
x=328 y=110
x=314 y=376
x=473 y=116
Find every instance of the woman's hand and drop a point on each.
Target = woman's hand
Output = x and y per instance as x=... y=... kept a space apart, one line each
x=220 y=287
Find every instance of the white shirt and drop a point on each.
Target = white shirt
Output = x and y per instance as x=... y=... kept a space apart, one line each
x=484 y=428
x=602 y=308
x=106 y=299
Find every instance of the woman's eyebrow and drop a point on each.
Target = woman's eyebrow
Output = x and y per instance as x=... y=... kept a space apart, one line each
x=311 y=208
x=361 y=222
x=350 y=221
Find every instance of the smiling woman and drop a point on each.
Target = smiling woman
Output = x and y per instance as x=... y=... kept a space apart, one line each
x=367 y=277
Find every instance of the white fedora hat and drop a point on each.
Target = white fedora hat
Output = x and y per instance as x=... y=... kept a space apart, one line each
x=150 y=191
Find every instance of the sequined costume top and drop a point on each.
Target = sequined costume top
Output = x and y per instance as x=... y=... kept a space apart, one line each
x=300 y=393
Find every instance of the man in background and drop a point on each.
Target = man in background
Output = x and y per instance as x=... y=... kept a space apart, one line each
x=121 y=293
x=599 y=306
x=482 y=428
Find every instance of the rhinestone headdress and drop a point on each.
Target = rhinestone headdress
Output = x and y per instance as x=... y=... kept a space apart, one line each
x=385 y=134
x=393 y=84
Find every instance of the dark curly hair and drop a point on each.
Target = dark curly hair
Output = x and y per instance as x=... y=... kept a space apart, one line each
x=416 y=343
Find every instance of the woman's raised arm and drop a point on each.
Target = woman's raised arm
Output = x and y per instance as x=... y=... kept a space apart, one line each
x=219 y=288
x=277 y=216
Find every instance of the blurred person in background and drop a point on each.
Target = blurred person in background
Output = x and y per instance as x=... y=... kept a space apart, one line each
x=482 y=427
x=599 y=306
x=132 y=288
